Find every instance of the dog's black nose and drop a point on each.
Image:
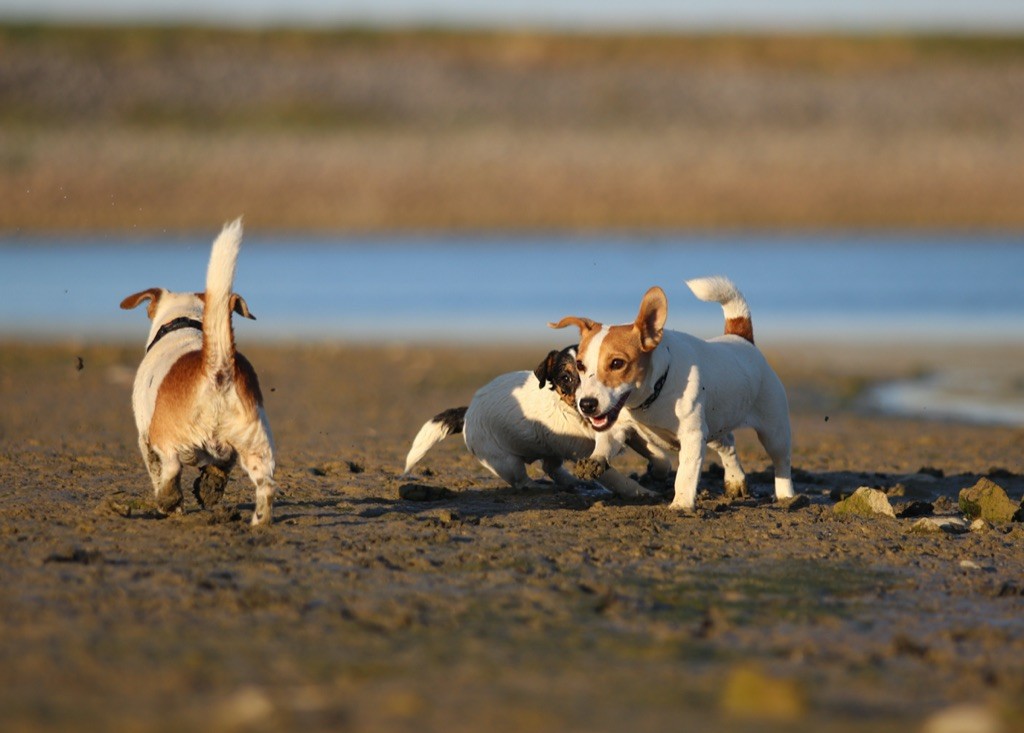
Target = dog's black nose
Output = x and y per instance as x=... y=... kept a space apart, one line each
x=588 y=405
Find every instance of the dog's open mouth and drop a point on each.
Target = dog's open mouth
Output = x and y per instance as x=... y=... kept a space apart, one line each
x=608 y=418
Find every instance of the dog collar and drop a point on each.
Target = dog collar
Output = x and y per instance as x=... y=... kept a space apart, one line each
x=176 y=325
x=654 y=395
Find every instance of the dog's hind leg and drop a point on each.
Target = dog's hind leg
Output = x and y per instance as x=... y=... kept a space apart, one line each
x=510 y=469
x=165 y=471
x=777 y=444
x=255 y=454
x=259 y=465
x=208 y=488
x=556 y=472
x=735 y=478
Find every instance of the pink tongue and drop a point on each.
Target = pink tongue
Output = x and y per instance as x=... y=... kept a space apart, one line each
x=598 y=422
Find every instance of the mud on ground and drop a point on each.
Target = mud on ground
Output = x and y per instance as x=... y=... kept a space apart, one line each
x=481 y=607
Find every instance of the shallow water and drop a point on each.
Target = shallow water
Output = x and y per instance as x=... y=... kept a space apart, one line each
x=496 y=288
x=823 y=287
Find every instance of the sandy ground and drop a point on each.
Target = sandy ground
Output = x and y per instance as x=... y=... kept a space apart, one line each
x=488 y=608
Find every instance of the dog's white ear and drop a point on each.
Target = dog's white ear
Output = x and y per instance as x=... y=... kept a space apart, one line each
x=152 y=295
x=239 y=306
x=650 y=321
x=583 y=324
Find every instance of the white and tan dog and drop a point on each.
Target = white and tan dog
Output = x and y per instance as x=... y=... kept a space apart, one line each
x=688 y=390
x=197 y=401
x=515 y=420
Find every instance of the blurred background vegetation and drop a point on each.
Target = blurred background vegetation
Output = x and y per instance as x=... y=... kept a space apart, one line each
x=155 y=128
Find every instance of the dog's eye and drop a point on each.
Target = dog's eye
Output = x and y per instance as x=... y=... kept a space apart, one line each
x=616 y=364
x=580 y=367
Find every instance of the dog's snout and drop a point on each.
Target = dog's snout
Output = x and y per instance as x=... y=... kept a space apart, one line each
x=588 y=405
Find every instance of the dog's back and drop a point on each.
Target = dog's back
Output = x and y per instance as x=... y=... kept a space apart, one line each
x=515 y=416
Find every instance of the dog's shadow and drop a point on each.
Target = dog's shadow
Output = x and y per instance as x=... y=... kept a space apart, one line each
x=907 y=492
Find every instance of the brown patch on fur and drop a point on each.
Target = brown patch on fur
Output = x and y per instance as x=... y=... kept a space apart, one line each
x=236 y=303
x=650 y=321
x=177 y=395
x=742 y=327
x=622 y=343
x=151 y=294
x=174 y=400
x=247 y=385
x=585 y=325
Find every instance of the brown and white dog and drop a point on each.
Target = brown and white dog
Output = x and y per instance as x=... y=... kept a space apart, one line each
x=516 y=419
x=688 y=390
x=197 y=401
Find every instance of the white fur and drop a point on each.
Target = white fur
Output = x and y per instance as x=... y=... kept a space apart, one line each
x=512 y=422
x=713 y=388
x=215 y=428
x=718 y=289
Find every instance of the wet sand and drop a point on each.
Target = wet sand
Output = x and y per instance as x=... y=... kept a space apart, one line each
x=488 y=608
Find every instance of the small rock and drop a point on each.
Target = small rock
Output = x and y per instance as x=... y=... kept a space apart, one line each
x=980 y=525
x=943 y=505
x=969 y=565
x=865 y=502
x=752 y=694
x=987 y=500
x=938 y=525
x=963 y=719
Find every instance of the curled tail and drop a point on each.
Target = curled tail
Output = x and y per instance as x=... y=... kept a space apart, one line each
x=435 y=430
x=720 y=289
x=218 y=334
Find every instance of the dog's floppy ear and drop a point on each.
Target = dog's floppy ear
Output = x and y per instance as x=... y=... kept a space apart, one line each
x=583 y=324
x=152 y=295
x=545 y=368
x=239 y=306
x=650 y=321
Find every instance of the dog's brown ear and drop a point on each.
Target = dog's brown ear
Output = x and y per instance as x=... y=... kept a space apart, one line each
x=239 y=306
x=650 y=321
x=545 y=368
x=152 y=295
x=583 y=324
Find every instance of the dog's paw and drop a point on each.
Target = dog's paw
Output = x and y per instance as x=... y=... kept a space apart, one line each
x=208 y=488
x=737 y=489
x=169 y=502
x=645 y=496
x=263 y=514
x=682 y=507
x=589 y=469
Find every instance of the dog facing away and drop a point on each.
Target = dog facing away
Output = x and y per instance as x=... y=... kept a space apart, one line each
x=689 y=391
x=197 y=402
x=514 y=421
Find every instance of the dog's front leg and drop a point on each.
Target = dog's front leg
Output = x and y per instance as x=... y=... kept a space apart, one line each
x=606 y=445
x=735 y=478
x=691 y=458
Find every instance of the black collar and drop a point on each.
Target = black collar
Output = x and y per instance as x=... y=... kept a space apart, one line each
x=175 y=325
x=654 y=395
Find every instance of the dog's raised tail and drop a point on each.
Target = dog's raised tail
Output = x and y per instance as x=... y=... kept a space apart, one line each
x=218 y=334
x=436 y=429
x=718 y=289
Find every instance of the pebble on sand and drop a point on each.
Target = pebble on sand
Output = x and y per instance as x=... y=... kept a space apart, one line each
x=752 y=694
x=865 y=502
x=987 y=500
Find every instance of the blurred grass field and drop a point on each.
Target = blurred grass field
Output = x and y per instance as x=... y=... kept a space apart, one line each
x=150 y=129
